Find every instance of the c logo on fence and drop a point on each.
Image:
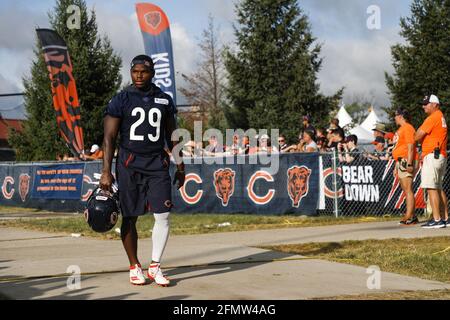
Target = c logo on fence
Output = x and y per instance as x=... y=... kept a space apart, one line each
x=328 y=192
x=88 y=180
x=6 y=181
x=250 y=188
x=224 y=180
x=195 y=198
x=24 y=185
x=298 y=184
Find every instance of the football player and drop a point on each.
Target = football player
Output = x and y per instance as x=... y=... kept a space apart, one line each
x=145 y=117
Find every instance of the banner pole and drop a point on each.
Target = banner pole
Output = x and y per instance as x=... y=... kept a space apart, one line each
x=336 y=203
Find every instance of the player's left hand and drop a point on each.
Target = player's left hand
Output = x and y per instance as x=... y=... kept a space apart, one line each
x=180 y=177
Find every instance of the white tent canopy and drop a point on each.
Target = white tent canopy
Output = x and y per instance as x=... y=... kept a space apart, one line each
x=371 y=121
x=343 y=117
x=364 y=136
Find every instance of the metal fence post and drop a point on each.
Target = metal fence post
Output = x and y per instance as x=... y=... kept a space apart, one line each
x=335 y=164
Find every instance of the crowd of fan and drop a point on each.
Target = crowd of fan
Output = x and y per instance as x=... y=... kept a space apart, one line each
x=310 y=139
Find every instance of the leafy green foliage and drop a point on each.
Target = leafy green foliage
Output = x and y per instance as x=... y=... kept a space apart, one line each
x=273 y=73
x=422 y=65
x=96 y=69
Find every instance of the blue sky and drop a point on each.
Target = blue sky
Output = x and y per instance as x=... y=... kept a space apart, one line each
x=354 y=56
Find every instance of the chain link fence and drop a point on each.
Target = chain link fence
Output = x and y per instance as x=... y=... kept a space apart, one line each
x=367 y=187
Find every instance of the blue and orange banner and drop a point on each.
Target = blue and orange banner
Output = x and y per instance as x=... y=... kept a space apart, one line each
x=64 y=91
x=155 y=29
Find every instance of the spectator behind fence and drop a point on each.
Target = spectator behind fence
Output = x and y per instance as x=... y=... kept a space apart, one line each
x=348 y=150
x=406 y=161
x=380 y=151
x=265 y=145
x=379 y=130
x=321 y=133
x=67 y=157
x=189 y=149
x=322 y=144
x=389 y=137
x=95 y=153
x=213 y=147
x=334 y=125
x=308 y=144
x=336 y=136
x=433 y=135
x=245 y=145
x=308 y=126
x=282 y=145
x=234 y=149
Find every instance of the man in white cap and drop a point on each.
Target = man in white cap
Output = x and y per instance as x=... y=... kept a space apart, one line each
x=96 y=153
x=433 y=136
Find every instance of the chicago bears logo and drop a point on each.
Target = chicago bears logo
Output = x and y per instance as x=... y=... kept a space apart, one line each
x=24 y=186
x=298 y=184
x=153 y=19
x=8 y=194
x=224 y=183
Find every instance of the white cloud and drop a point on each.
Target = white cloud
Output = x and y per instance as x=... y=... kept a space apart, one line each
x=359 y=65
x=7 y=86
x=185 y=49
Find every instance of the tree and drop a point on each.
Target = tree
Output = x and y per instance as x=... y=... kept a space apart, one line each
x=359 y=107
x=96 y=69
x=205 y=86
x=272 y=76
x=422 y=65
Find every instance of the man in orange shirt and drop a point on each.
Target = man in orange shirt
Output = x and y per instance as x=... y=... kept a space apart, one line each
x=433 y=135
x=405 y=155
x=96 y=153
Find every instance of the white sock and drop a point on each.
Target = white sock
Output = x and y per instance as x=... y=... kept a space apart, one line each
x=160 y=235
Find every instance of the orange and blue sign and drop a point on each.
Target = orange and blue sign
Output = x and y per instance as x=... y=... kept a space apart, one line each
x=155 y=29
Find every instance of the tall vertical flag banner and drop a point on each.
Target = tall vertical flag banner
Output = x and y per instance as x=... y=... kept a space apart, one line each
x=155 y=29
x=64 y=91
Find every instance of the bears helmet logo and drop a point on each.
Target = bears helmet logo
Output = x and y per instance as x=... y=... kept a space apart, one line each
x=224 y=180
x=298 y=184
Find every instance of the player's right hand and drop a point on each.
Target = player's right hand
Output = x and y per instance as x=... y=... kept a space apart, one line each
x=106 y=181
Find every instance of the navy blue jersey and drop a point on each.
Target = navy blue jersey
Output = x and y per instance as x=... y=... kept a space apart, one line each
x=143 y=118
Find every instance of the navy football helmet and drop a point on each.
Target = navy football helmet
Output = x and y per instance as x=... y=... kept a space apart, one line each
x=102 y=210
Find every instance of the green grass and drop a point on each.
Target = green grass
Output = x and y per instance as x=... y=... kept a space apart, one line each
x=185 y=224
x=426 y=258
x=6 y=209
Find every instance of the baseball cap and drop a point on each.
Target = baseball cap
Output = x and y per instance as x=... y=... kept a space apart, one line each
x=378 y=140
x=307 y=118
x=94 y=148
x=430 y=99
x=142 y=59
x=389 y=136
x=380 y=127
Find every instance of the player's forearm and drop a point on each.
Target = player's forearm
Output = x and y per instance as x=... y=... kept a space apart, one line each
x=111 y=128
x=108 y=145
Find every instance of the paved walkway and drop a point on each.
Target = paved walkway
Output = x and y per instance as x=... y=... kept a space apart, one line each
x=212 y=266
